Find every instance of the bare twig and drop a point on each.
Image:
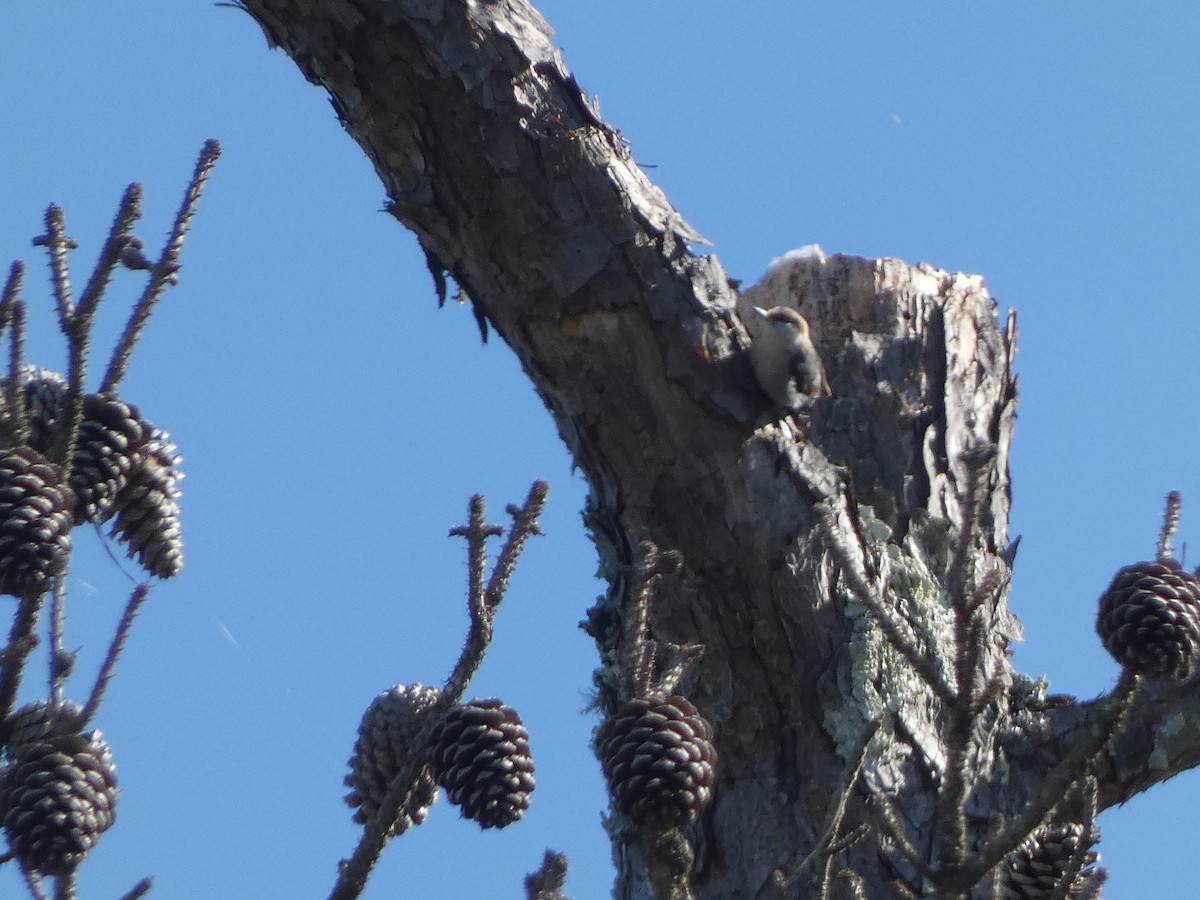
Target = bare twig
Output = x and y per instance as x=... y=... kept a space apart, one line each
x=128 y=212
x=114 y=651
x=1050 y=792
x=897 y=631
x=1070 y=882
x=64 y=886
x=33 y=881
x=477 y=531
x=888 y=815
x=971 y=620
x=17 y=417
x=141 y=889
x=992 y=688
x=669 y=860
x=57 y=244
x=833 y=821
x=677 y=659
x=12 y=289
x=58 y=612
x=8 y=299
x=1169 y=525
x=637 y=642
x=525 y=525
x=21 y=641
x=163 y=272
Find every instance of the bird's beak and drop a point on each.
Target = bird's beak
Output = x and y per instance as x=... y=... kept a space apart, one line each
x=760 y=311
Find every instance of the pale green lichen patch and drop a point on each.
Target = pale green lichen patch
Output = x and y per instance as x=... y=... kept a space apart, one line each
x=877 y=680
x=1166 y=736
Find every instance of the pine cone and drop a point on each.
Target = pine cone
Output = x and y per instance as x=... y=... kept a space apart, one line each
x=480 y=755
x=111 y=438
x=35 y=522
x=44 y=393
x=1149 y=619
x=1037 y=867
x=37 y=722
x=384 y=742
x=56 y=801
x=658 y=759
x=147 y=508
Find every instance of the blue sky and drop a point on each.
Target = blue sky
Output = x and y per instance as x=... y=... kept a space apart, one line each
x=334 y=421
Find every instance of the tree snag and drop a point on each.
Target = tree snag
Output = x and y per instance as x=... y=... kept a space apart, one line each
x=846 y=571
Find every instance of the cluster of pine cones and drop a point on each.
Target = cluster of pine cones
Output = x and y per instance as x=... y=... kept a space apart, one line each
x=124 y=470
x=657 y=756
x=1149 y=619
x=479 y=753
x=58 y=788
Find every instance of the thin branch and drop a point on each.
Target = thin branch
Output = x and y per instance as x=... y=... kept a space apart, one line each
x=479 y=634
x=890 y=817
x=1169 y=526
x=21 y=641
x=162 y=273
x=1079 y=857
x=17 y=414
x=669 y=861
x=970 y=629
x=141 y=889
x=57 y=244
x=1050 y=792
x=635 y=640
x=128 y=212
x=525 y=525
x=992 y=689
x=12 y=287
x=390 y=819
x=33 y=881
x=8 y=299
x=114 y=651
x=58 y=612
x=677 y=659
x=969 y=603
x=638 y=646
x=837 y=812
x=897 y=631
x=64 y=886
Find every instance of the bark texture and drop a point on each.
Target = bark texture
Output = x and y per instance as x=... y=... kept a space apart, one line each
x=788 y=527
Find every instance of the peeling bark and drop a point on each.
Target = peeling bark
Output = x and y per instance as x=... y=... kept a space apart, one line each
x=495 y=158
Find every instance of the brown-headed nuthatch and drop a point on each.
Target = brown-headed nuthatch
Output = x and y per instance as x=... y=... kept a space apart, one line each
x=786 y=363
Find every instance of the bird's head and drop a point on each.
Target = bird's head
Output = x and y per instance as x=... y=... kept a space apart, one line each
x=784 y=317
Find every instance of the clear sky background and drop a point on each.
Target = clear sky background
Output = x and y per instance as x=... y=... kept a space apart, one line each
x=334 y=421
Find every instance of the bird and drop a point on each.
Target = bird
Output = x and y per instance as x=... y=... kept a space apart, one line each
x=786 y=363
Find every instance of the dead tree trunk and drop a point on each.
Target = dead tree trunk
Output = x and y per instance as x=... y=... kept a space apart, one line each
x=847 y=571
